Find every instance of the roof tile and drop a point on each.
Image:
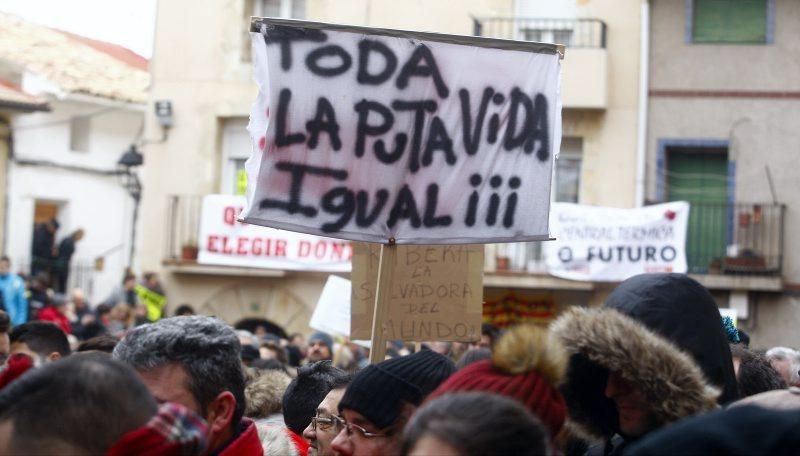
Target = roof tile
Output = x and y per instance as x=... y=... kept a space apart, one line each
x=76 y=64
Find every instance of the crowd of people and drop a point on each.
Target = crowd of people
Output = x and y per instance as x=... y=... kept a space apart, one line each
x=655 y=370
x=35 y=297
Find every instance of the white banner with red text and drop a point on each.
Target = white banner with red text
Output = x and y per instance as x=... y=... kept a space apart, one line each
x=228 y=242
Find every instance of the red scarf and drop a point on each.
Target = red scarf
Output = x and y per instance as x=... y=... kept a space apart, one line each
x=173 y=431
x=17 y=365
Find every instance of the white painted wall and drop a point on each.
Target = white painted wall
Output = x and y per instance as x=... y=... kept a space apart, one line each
x=98 y=204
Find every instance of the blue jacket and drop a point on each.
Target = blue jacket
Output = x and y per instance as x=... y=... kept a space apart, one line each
x=13 y=289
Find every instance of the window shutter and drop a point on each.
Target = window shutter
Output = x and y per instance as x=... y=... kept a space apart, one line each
x=730 y=21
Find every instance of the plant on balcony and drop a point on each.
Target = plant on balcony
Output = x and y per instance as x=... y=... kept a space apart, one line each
x=189 y=250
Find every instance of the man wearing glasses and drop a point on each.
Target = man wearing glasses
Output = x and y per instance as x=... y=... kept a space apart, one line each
x=326 y=423
x=382 y=397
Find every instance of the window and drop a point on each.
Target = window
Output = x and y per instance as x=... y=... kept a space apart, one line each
x=566 y=189
x=700 y=175
x=235 y=151
x=555 y=36
x=239 y=176
x=731 y=21
x=295 y=9
x=267 y=8
x=568 y=171
x=79 y=134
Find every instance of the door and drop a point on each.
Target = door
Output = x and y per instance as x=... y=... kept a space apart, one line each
x=44 y=211
x=700 y=176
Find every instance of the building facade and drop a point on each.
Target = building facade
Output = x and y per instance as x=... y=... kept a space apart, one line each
x=13 y=102
x=206 y=76
x=597 y=162
x=64 y=163
x=723 y=106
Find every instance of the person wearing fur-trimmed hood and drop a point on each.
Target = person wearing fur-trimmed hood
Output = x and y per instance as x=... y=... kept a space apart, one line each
x=654 y=354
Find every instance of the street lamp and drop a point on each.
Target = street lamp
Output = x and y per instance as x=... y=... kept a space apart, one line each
x=131 y=159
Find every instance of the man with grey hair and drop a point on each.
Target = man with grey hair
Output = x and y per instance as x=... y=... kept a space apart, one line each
x=194 y=361
x=787 y=362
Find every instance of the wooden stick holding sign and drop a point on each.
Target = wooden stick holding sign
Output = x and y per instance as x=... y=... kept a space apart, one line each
x=383 y=294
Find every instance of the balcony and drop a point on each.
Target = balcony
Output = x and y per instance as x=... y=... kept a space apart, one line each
x=81 y=274
x=735 y=239
x=584 y=81
x=183 y=226
x=728 y=246
x=181 y=242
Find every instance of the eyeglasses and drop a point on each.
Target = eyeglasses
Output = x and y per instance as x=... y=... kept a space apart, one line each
x=349 y=427
x=325 y=423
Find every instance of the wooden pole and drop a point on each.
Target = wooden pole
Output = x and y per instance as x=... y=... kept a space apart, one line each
x=383 y=293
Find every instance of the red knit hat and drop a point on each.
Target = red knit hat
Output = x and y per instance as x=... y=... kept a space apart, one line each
x=525 y=366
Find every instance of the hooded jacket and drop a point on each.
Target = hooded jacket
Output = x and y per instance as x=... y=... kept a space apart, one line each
x=634 y=335
x=680 y=309
x=12 y=288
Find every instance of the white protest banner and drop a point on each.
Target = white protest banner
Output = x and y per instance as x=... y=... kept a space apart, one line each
x=228 y=242
x=332 y=314
x=607 y=244
x=372 y=134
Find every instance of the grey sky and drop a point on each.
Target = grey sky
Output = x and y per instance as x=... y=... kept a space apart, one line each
x=129 y=23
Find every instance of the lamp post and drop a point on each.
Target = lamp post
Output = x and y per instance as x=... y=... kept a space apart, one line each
x=131 y=159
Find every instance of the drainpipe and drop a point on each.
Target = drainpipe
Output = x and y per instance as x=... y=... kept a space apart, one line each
x=9 y=158
x=641 y=129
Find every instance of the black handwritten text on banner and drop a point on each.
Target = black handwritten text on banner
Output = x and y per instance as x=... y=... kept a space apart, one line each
x=368 y=136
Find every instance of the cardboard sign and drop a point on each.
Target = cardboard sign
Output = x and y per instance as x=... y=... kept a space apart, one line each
x=436 y=293
x=607 y=244
x=332 y=314
x=228 y=242
x=370 y=134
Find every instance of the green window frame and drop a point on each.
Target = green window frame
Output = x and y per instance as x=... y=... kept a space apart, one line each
x=731 y=21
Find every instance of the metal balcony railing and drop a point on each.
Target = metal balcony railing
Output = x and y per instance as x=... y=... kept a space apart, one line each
x=183 y=225
x=81 y=274
x=575 y=33
x=739 y=238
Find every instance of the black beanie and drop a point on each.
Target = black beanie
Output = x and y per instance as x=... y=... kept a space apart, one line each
x=378 y=391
